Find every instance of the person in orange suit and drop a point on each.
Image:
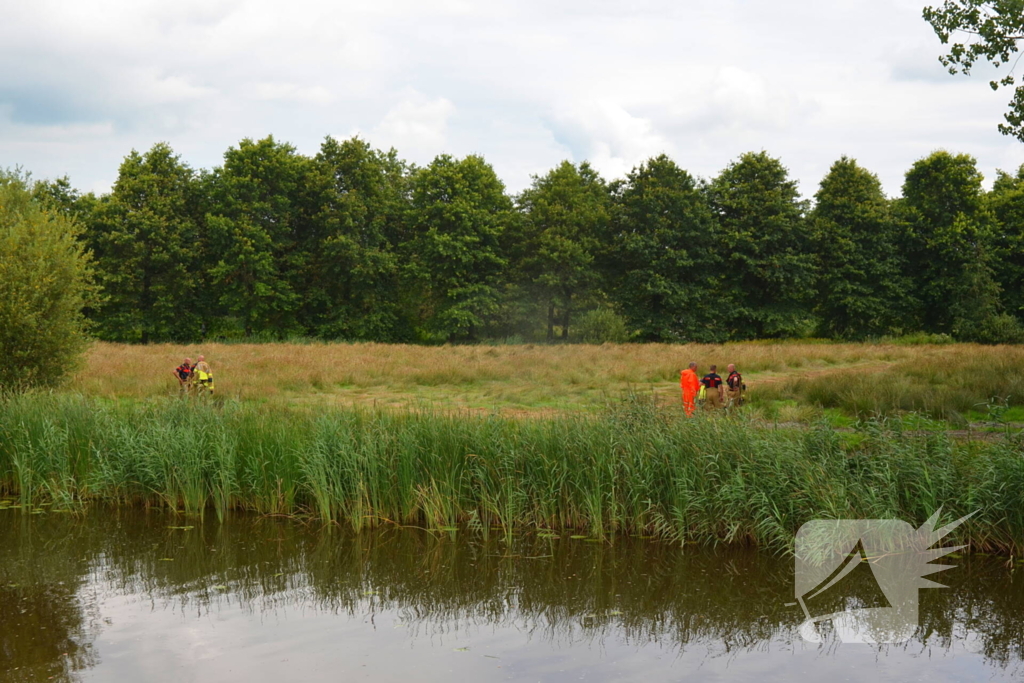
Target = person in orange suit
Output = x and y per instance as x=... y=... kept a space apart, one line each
x=691 y=385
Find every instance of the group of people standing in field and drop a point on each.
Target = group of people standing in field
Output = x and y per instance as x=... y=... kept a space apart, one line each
x=716 y=393
x=194 y=379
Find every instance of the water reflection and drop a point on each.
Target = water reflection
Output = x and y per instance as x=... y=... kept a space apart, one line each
x=93 y=594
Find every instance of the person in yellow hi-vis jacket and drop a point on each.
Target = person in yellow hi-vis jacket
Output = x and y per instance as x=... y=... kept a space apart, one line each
x=202 y=375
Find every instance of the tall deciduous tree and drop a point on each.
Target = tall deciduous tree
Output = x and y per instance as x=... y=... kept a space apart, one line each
x=952 y=248
x=46 y=280
x=354 y=286
x=665 y=266
x=459 y=212
x=261 y=235
x=1006 y=201
x=861 y=289
x=769 y=263
x=145 y=236
x=991 y=31
x=565 y=213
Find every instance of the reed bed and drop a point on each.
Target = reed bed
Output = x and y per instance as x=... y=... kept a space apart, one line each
x=634 y=469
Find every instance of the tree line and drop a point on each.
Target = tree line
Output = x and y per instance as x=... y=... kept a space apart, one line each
x=356 y=244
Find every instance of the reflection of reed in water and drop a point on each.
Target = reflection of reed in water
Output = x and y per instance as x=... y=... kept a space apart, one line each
x=563 y=590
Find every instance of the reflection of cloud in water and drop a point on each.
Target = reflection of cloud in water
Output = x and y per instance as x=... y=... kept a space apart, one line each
x=251 y=598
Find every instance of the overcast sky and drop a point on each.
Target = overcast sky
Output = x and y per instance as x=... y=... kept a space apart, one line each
x=525 y=83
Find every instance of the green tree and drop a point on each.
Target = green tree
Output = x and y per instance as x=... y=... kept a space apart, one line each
x=145 y=236
x=354 y=285
x=951 y=247
x=664 y=268
x=769 y=263
x=262 y=235
x=46 y=280
x=59 y=195
x=459 y=213
x=565 y=213
x=991 y=31
x=861 y=288
x=1006 y=202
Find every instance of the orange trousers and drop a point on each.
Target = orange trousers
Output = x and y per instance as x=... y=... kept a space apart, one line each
x=688 y=402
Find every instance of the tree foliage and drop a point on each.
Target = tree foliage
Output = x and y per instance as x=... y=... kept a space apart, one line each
x=769 y=264
x=665 y=265
x=259 y=236
x=862 y=291
x=353 y=243
x=992 y=30
x=565 y=215
x=144 y=235
x=458 y=215
x=355 y=271
x=951 y=247
x=1006 y=202
x=46 y=280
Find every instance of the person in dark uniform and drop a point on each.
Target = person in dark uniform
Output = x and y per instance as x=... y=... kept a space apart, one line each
x=734 y=387
x=715 y=394
x=183 y=373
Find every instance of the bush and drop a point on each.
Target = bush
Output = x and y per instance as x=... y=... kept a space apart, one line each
x=999 y=329
x=599 y=326
x=45 y=281
x=917 y=338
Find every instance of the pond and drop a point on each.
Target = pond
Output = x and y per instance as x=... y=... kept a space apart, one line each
x=129 y=594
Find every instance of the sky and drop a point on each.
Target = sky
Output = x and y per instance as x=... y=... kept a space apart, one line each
x=525 y=83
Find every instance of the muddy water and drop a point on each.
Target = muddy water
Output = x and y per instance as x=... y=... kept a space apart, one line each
x=125 y=595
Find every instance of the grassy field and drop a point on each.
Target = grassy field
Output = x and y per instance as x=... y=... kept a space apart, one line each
x=638 y=469
x=787 y=381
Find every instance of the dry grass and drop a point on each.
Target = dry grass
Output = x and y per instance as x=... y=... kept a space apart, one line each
x=511 y=378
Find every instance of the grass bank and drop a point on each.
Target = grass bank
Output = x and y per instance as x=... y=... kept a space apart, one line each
x=946 y=381
x=635 y=469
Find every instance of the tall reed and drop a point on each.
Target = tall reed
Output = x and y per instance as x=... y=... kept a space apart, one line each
x=634 y=469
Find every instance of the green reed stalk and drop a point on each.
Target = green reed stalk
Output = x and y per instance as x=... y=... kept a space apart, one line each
x=634 y=469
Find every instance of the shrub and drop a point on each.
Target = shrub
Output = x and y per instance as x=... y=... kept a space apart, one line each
x=599 y=326
x=1000 y=329
x=45 y=282
x=917 y=338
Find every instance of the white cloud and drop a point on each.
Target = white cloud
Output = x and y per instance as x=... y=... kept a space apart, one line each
x=292 y=92
x=609 y=136
x=417 y=126
x=523 y=82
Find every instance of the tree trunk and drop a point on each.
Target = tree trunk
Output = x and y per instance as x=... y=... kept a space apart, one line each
x=565 y=325
x=551 y=322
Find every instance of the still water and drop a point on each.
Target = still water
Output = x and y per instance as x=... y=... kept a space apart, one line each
x=121 y=595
